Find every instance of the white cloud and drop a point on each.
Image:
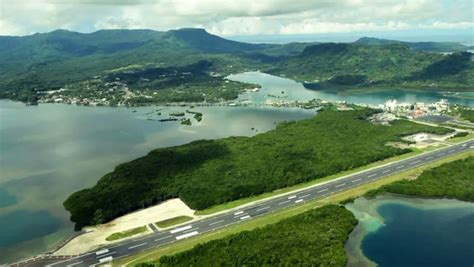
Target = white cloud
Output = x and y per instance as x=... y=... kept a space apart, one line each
x=230 y=17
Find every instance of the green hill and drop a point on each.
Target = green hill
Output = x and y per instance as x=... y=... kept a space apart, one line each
x=417 y=46
x=345 y=66
x=210 y=172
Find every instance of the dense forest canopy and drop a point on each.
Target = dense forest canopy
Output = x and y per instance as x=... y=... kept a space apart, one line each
x=313 y=238
x=450 y=180
x=210 y=172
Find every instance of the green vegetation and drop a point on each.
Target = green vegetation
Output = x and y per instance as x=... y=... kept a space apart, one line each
x=144 y=66
x=346 y=66
x=451 y=180
x=209 y=172
x=313 y=238
x=197 y=115
x=186 y=121
x=128 y=233
x=173 y=221
x=417 y=46
x=467 y=114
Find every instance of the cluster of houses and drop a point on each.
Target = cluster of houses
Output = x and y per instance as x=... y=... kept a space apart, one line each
x=414 y=110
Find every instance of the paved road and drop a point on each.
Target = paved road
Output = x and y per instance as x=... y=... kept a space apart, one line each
x=248 y=213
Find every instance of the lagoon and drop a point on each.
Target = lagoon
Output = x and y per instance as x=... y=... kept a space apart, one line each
x=399 y=231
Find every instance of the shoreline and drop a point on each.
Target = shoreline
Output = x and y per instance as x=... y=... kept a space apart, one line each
x=366 y=212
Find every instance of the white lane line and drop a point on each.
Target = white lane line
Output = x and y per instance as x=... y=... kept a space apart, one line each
x=216 y=222
x=100 y=252
x=291 y=197
x=136 y=246
x=76 y=263
x=372 y=175
x=386 y=171
x=187 y=231
x=299 y=200
x=356 y=180
x=245 y=217
x=339 y=185
x=106 y=259
x=187 y=235
x=284 y=202
x=441 y=154
x=399 y=167
x=238 y=213
x=264 y=208
x=307 y=195
x=108 y=254
x=429 y=157
x=322 y=190
x=181 y=229
x=162 y=238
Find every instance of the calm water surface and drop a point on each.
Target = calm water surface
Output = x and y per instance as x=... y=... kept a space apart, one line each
x=277 y=88
x=49 y=151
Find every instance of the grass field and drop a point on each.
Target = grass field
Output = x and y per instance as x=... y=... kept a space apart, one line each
x=173 y=221
x=128 y=233
x=275 y=217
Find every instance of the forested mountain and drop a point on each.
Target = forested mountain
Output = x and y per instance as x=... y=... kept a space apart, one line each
x=335 y=65
x=417 y=46
x=210 y=172
x=37 y=63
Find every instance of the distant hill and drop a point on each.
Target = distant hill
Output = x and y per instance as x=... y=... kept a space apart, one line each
x=417 y=46
x=342 y=65
x=49 y=61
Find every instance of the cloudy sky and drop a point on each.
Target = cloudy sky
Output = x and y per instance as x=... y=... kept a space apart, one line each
x=239 y=17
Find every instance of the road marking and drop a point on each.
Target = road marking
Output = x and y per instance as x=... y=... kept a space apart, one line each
x=429 y=157
x=107 y=259
x=216 y=222
x=100 y=252
x=299 y=200
x=238 y=212
x=264 y=208
x=307 y=195
x=187 y=235
x=339 y=185
x=76 y=263
x=136 y=246
x=441 y=154
x=356 y=180
x=181 y=229
x=108 y=254
x=291 y=197
x=471 y=147
x=281 y=203
x=414 y=162
x=164 y=237
x=372 y=175
x=399 y=167
x=322 y=190
x=386 y=171
x=245 y=217
x=187 y=231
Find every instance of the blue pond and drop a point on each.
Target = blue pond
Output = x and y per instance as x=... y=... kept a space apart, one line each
x=419 y=237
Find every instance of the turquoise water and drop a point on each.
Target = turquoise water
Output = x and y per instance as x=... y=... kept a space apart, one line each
x=417 y=237
x=277 y=88
x=51 y=150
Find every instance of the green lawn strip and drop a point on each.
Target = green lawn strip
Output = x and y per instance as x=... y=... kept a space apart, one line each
x=173 y=221
x=155 y=254
x=127 y=233
x=461 y=139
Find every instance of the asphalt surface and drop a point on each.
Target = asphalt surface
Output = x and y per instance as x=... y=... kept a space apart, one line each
x=158 y=239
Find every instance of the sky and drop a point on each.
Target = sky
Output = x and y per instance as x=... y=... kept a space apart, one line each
x=242 y=18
